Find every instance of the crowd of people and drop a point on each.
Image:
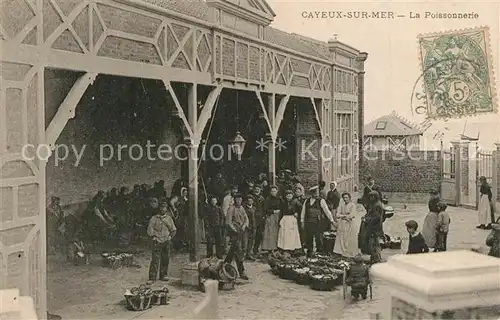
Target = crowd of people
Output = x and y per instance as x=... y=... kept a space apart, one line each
x=246 y=221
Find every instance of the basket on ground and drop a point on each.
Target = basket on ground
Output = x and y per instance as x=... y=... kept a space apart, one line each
x=228 y=273
x=226 y=285
x=160 y=297
x=139 y=299
x=324 y=282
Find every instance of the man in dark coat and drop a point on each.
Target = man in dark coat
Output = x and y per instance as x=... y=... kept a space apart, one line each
x=369 y=188
x=373 y=226
x=333 y=197
x=260 y=219
x=214 y=224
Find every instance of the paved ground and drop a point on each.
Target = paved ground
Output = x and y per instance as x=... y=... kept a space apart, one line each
x=94 y=292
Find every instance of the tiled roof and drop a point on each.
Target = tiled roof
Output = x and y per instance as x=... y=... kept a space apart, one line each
x=193 y=8
x=199 y=9
x=392 y=125
x=294 y=42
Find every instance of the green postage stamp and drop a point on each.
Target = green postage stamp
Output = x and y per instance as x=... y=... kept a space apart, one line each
x=457 y=73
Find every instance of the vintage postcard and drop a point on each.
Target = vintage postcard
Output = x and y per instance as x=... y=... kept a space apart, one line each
x=249 y=159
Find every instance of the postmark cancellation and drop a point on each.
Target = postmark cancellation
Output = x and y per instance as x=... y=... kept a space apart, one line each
x=457 y=73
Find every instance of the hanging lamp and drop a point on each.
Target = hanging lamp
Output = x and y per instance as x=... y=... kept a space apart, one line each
x=238 y=143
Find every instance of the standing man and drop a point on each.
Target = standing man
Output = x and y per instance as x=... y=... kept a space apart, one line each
x=162 y=229
x=237 y=224
x=369 y=188
x=250 y=233
x=373 y=221
x=333 y=197
x=260 y=219
x=55 y=219
x=227 y=202
x=313 y=210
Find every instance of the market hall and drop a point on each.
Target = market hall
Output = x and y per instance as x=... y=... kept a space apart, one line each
x=201 y=54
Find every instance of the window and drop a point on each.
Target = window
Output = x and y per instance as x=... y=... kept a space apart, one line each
x=381 y=125
x=344 y=141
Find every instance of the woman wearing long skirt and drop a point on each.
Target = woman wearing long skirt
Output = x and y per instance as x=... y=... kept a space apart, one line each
x=272 y=210
x=485 y=212
x=349 y=221
x=288 y=235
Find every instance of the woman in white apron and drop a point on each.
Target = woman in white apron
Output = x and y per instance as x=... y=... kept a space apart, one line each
x=485 y=212
x=349 y=221
x=288 y=235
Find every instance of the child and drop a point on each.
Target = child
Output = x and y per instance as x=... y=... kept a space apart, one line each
x=417 y=242
x=162 y=229
x=493 y=240
x=358 y=278
x=214 y=224
x=250 y=233
x=442 y=227
x=430 y=222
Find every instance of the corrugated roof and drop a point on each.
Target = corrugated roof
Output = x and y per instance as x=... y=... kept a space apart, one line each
x=199 y=9
x=392 y=125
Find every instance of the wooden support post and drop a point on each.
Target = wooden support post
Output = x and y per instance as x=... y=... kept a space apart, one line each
x=193 y=173
x=280 y=114
x=66 y=110
x=271 y=112
x=206 y=112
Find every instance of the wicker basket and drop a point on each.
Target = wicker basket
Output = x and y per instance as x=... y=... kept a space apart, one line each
x=160 y=297
x=303 y=277
x=139 y=299
x=328 y=241
x=214 y=266
x=395 y=244
x=203 y=270
x=228 y=273
x=323 y=282
x=227 y=285
x=288 y=272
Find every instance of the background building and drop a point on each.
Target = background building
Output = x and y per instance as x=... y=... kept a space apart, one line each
x=392 y=132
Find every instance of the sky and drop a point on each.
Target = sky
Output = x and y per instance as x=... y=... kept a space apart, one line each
x=393 y=64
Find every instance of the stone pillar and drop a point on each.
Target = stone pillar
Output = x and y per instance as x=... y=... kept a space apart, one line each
x=464 y=154
x=457 y=150
x=496 y=175
x=361 y=104
x=444 y=285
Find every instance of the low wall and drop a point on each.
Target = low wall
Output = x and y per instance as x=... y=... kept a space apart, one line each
x=404 y=176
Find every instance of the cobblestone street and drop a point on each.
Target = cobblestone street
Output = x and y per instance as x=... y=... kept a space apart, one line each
x=95 y=292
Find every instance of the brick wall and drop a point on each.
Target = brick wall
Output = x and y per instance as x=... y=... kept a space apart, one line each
x=307 y=133
x=75 y=184
x=412 y=172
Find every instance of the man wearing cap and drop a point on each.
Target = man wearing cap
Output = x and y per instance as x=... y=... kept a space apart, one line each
x=250 y=233
x=260 y=218
x=237 y=224
x=162 y=229
x=227 y=202
x=312 y=212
